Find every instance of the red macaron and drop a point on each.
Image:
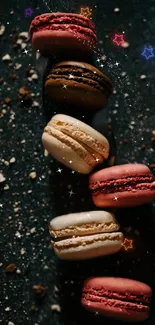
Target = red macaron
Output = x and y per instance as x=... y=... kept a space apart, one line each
x=122 y=186
x=55 y=32
x=120 y=298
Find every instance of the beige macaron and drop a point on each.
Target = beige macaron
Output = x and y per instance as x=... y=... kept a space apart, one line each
x=85 y=235
x=74 y=143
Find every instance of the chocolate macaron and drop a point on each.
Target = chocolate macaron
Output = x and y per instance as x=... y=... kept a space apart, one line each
x=79 y=84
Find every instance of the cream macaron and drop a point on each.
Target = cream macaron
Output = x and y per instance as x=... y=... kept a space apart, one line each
x=85 y=235
x=74 y=143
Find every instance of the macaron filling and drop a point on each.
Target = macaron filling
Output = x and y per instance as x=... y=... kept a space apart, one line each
x=82 y=75
x=143 y=182
x=83 y=229
x=85 y=240
x=125 y=296
x=107 y=301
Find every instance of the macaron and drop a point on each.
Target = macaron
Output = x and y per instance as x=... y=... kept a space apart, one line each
x=79 y=84
x=122 y=186
x=85 y=235
x=120 y=298
x=57 y=32
x=74 y=143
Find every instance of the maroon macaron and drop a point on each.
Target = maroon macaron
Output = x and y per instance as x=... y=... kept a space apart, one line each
x=55 y=32
x=120 y=298
x=122 y=186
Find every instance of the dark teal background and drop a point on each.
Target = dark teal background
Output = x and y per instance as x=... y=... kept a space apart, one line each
x=132 y=111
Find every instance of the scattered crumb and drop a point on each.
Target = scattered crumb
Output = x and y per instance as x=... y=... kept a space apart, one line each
x=10 y=268
x=18 y=235
x=6 y=57
x=24 y=94
x=33 y=175
x=24 y=35
x=35 y=104
x=12 y=160
x=33 y=308
x=2 y=30
x=125 y=45
x=45 y=153
x=143 y=146
x=7 y=309
x=153 y=138
x=2 y=178
x=143 y=76
x=22 y=251
x=116 y=10
x=33 y=230
x=17 y=66
x=13 y=76
x=56 y=307
x=7 y=100
x=39 y=290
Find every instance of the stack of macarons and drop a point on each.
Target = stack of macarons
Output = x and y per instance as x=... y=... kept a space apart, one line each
x=78 y=146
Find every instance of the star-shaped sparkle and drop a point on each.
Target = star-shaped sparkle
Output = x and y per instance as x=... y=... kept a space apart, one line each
x=71 y=76
x=117 y=63
x=1 y=205
x=148 y=52
x=97 y=159
x=64 y=86
x=127 y=244
x=115 y=198
x=118 y=39
x=25 y=51
x=86 y=11
x=71 y=192
x=28 y=12
x=59 y=170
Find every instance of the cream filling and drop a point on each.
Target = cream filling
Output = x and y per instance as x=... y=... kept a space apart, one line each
x=84 y=229
x=86 y=155
x=86 y=139
x=87 y=240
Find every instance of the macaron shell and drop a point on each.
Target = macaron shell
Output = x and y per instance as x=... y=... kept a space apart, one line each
x=90 y=136
x=49 y=41
x=89 y=97
x=119 y=285
x=83 y=223
x=123 y=199
x=81 y=218
x=122 y=313
x=88 y=246
x=116 y=172
x=60 y=151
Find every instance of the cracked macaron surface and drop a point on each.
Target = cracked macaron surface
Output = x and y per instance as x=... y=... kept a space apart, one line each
x=85 y=235
x=74 y=143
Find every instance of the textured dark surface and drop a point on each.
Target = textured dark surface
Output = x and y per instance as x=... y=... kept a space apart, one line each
x=28 y=205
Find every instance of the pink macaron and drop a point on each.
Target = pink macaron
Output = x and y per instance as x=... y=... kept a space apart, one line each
x=120 y=298
x=122 y=186
x=57 y=32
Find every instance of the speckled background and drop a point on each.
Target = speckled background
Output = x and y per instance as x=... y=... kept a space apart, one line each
x=27 y=205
